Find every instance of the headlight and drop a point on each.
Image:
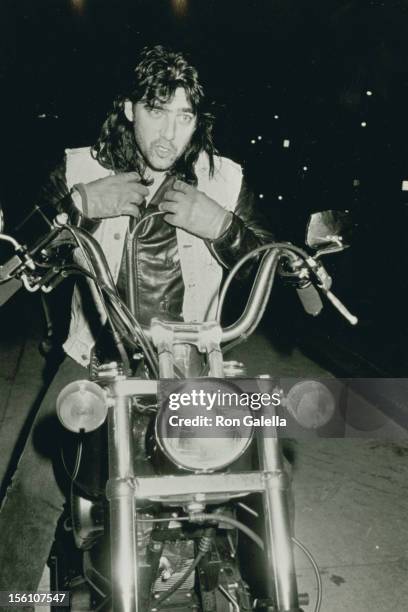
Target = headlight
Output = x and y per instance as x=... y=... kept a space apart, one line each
x=81 y=406
x=200 y=438
x=311 y=404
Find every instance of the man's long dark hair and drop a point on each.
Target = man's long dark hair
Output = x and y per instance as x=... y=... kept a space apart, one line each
x=157 y=76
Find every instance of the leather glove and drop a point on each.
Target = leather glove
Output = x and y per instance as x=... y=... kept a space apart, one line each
x=121 y=194
x=193 y=211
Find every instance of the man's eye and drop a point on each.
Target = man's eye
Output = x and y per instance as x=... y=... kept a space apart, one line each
x=156 y=112
x=185 y=119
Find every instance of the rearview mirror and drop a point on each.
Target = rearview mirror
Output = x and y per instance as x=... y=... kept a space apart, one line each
x=329 y=230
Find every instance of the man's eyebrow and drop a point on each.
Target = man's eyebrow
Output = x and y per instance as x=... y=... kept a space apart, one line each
x=163 y=106
x=154 y=104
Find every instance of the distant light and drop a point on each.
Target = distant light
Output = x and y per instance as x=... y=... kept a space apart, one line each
x=276 y=116
x=45 y=116
x=180 y=7
x=305 y=168
x=280 y=197
x=253 y=141
x=404 y=185
x=356 y=182
x=78 y=5
x=369 y=93
x=364 y=124
x=259 y=137
x=286 y=143
x=261 y=195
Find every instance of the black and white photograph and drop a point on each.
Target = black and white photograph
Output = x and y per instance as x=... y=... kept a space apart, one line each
x=203 y=305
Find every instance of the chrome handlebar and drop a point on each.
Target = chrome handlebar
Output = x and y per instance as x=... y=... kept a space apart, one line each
x=258 y=298
x=95 y=265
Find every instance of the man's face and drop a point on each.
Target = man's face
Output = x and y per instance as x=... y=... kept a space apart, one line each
x=164 y=131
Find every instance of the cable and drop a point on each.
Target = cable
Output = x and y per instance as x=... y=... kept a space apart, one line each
x=229 y=598
x=316 y=571
x=223 y=518
x=117 y=340
x=163 y=520
x=89 y=262
x=134 y=325
x=77 y=462
x=146 y=218
x=134 y=329
x=219 y=518
x=119 y=305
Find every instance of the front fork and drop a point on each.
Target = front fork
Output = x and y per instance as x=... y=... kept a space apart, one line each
x=278 y=544
x=121 y=496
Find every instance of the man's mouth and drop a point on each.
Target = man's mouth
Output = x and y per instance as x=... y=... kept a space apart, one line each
x=163 y=150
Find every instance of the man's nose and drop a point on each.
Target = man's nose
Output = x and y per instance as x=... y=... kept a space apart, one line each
x=168 y=130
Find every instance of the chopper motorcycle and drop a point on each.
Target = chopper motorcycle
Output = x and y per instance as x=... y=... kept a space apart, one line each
x=159 y=517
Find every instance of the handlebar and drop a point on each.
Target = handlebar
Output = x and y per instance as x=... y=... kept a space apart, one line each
x=96 y=267
x=258 y=297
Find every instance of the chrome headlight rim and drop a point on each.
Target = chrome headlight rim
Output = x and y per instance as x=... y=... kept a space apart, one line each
x=161 y=440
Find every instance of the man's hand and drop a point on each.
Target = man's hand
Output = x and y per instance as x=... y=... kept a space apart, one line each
x=193 y=211
x=121 y=194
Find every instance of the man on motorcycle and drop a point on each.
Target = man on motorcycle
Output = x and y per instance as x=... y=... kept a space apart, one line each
x=154 y=152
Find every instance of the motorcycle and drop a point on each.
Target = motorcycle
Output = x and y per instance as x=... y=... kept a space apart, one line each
x=159 y=514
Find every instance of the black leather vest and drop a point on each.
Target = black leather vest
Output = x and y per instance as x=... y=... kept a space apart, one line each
x=159 y=287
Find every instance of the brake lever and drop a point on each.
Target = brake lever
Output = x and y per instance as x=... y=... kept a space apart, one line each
x=324 y=284
x=299 y=273
x=341 y=307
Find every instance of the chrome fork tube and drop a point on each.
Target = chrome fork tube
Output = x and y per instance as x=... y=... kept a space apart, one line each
x=279 y=549
x=120 y=493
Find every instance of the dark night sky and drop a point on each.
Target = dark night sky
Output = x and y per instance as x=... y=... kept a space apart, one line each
x=311 y=64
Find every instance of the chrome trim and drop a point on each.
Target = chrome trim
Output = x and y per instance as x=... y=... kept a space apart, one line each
x=122 y=507
x=166 y=487
x=278 y=542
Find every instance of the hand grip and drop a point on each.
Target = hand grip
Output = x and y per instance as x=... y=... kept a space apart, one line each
x=310 y=298
x=8 y=289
